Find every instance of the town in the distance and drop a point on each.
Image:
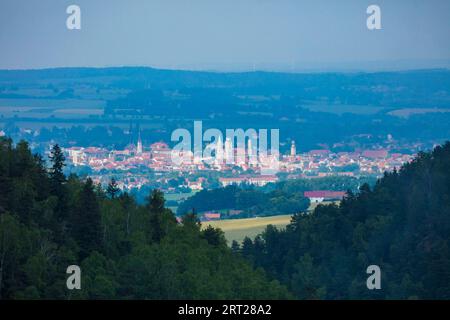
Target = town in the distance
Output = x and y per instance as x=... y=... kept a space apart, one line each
x=116 y=124
x=142 y=166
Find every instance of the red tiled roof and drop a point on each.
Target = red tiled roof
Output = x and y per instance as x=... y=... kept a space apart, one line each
x=375 y=153
x=159 y=146
x=319 y=152
x=212 y=215
x=264 y=178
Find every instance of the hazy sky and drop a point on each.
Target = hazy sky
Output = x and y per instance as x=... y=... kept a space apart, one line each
x=224 y=34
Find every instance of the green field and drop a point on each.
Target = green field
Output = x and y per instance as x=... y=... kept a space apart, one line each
x=407 y=112
x=312 y=206
x=177 y=197
x=238 y=229
x=343 y=108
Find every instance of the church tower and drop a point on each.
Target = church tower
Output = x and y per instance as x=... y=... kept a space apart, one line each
x=219 y=150
x=139 y=144
x=293 y=149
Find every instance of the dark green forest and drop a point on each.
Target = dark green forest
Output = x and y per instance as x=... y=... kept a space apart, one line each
x=251 y=201
x=402 y=225
x=126 y=251
x=285 y=197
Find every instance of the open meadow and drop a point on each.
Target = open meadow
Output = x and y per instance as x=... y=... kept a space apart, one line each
x=238 y=229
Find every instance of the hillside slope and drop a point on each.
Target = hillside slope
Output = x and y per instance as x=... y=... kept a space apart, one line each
x=125 y=251
x=402 y=225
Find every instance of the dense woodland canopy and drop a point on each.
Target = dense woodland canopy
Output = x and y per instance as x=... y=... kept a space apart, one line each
x=402 y=225
x=127 y=251
x=49 y=221
x=251 y=201
x=285 y=197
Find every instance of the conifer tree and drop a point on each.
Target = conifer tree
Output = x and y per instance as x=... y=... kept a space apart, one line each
x=58 y=188
x=235 y=247
x=191 y=221
x=57 y=159
x=161 y=219
x=86 y=225
x=113 y=189
x=215 y=237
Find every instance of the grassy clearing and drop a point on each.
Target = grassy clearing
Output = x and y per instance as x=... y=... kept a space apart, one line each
x=313 y=205
x=342 y=108
x=178 y=196
x=407 y=112
x=238 y=229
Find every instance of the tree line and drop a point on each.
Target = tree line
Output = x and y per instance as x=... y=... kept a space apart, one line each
x=401 y=224
x=285 y=197
x=49 y=221
x=250 y=200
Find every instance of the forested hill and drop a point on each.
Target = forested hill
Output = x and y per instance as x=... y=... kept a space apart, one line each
x=284 y=197
x=49 y=221
x=402 y=225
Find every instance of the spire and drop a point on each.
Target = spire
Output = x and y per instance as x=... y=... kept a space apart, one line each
x=219 y=150
x=228 y=151
x=139 y=143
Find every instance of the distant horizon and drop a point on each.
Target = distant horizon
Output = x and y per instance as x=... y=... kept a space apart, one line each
x=369 y=67
x=224 y=36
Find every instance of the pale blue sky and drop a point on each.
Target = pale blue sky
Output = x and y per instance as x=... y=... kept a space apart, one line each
x=225 y=34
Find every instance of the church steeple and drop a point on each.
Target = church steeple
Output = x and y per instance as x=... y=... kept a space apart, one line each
x=293 y=149
x=139 y=143
x=219 y=150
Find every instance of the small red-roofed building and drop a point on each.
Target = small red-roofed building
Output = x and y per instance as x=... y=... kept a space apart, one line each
x=211 y=216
